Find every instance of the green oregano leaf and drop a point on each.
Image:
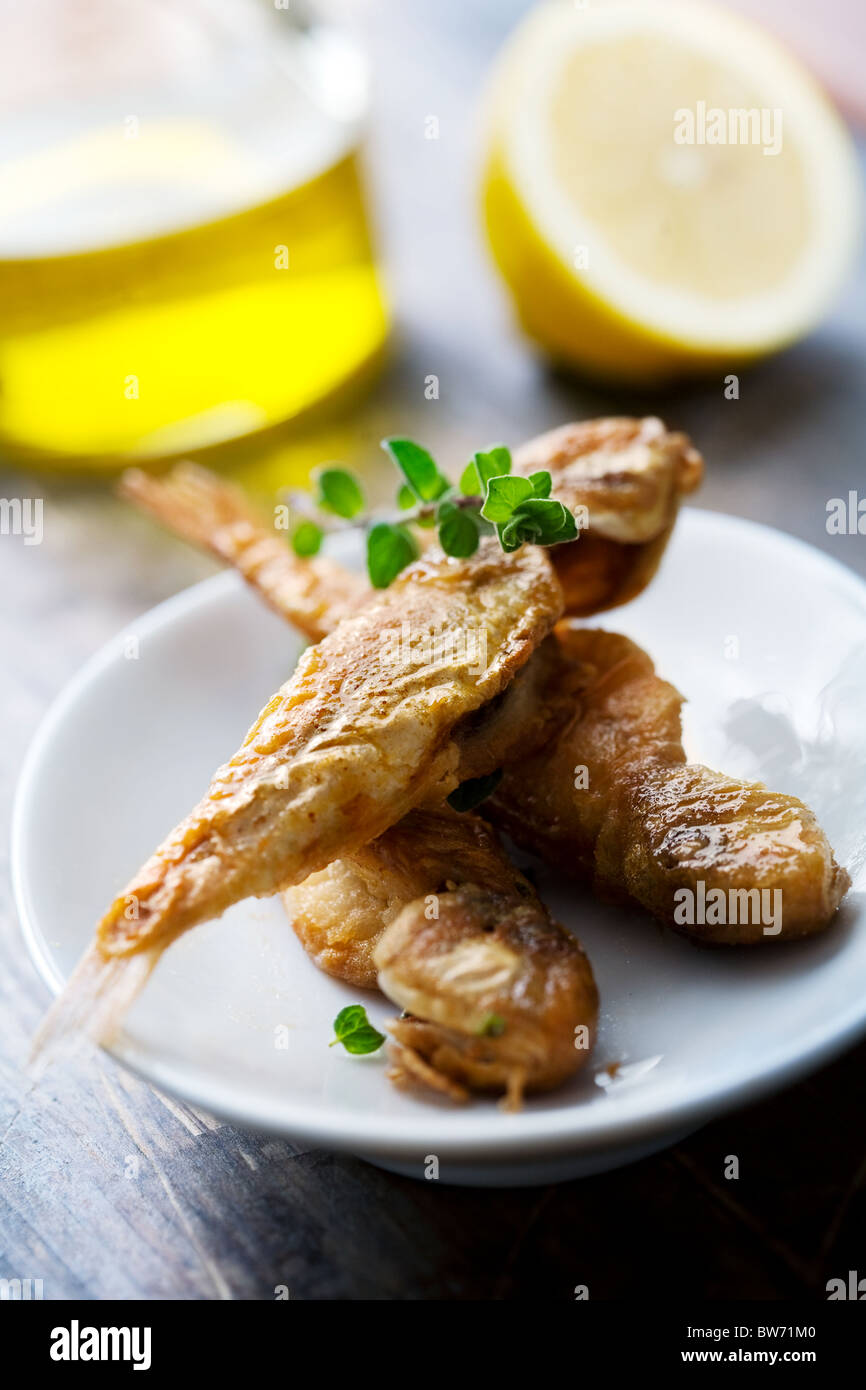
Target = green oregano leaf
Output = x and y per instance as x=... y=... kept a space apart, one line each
x=485 y=464
x=541 y=484
x=390 y=548
x=469 y=484
x=306 y=539
x=339 y=492
x=354 y=1030
x=519 y=510
x=510 y=535
x=537 y=521
x=492 y=462
x=549 y=520
x=503 y=495
x=418 y=468
x=458 y=533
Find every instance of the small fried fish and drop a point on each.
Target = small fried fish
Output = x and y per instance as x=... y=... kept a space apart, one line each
x=496 y=995
x=647 y=825
x=342 y=751
x=624 y=479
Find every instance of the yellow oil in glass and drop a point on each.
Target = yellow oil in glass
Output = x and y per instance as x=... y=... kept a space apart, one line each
x=153 y=302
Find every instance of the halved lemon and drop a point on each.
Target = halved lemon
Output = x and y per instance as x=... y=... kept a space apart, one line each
x=666 y=190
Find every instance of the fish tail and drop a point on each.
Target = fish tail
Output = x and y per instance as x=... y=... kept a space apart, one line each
x=92 y=1004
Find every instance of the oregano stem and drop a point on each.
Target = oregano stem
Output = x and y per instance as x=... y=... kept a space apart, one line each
x=303 y=504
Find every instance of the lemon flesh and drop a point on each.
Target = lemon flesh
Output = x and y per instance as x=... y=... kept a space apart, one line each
x=631 y=251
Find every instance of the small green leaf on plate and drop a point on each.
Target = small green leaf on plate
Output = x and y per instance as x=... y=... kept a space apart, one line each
x=354 y=1030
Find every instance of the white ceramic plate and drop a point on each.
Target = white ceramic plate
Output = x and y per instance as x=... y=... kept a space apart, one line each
x=766 y=637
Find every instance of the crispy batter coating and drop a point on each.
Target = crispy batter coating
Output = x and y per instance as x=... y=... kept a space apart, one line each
x=525 y=717
x=348 y=745
x=649 y=824
x=630 y=475
x=339 y=912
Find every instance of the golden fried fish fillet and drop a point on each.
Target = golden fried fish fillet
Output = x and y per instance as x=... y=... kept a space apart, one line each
x=214 y=515
x=349 y=745
x=500 y=997
x=629 y=475
x=648 y=824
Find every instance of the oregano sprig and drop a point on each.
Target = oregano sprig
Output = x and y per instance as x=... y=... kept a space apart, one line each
x=488 y=499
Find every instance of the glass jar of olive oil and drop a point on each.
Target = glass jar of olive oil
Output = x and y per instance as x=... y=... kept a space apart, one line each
x=184 y=250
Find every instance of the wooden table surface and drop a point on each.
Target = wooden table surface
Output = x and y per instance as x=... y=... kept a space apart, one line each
x=110 y=1190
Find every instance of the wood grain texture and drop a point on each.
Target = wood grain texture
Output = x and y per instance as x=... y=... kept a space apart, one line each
x=108 y=1189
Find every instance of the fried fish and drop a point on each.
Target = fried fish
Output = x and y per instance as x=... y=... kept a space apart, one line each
x=499 y=996
x=496 y=996
x=342 y=751
x=613 y=801
x=623 y=479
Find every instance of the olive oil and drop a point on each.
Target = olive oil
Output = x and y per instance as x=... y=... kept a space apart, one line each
x=193 y=272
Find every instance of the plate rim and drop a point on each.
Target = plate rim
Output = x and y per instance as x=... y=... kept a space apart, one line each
x=495 y=1137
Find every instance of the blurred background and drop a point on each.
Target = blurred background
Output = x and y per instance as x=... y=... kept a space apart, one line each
x=251 y=231
x=219 y=219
